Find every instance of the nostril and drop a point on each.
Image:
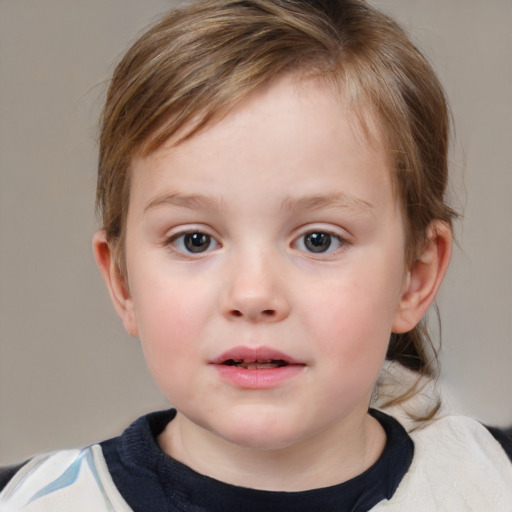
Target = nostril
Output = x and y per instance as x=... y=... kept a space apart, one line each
x=266 y=313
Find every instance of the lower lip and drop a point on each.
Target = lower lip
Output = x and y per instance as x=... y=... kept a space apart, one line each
x=265 y=378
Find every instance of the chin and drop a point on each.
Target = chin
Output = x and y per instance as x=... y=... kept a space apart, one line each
x=257 y=433
x=261 y=441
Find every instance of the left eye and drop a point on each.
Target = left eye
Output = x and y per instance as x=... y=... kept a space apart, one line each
x=319 y=242
x=193 y=243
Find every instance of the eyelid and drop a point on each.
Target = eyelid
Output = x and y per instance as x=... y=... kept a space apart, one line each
x=179 y=232
x=343 y=238
x=319 y=227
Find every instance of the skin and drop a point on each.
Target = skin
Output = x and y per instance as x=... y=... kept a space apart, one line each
x=285 y=163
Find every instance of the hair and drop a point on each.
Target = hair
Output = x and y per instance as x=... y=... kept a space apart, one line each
x=200 y=60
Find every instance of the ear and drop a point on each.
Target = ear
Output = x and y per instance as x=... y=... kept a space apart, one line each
x=116 y=283
x=424 y=278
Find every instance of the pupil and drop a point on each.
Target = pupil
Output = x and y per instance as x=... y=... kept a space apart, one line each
x=318 y=242
x=197 y=242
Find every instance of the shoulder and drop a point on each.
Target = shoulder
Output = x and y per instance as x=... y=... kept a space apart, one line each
x=75 y=480
x=460 y=433
x=101 y=477
x=457 y=465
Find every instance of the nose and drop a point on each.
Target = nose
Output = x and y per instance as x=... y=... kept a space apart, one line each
x=255 y=291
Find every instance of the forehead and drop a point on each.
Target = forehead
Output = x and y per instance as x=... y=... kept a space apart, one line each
x=311 y=85
x=290 y=124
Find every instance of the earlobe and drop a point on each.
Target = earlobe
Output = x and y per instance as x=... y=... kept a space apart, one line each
x=424 y=278
x=116 y=283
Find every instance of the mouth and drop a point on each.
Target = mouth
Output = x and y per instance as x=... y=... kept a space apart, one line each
x=258 y=364
x=257 y=368
x=255 y=358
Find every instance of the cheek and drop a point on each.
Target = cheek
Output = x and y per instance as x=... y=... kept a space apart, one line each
x=353 y=318
x=170 y=333
x=351 y=330
x=170 y=315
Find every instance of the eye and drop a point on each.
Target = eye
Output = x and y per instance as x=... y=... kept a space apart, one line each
x=319 y=242
x=193 y=242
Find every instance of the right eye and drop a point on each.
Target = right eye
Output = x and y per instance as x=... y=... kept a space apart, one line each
x=194 y=242
x=319 y=242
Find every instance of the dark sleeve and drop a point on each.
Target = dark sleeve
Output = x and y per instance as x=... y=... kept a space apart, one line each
x=7 y=472
x=504 y=437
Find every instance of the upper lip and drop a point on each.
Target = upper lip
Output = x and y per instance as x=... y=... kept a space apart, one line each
x=254 y=354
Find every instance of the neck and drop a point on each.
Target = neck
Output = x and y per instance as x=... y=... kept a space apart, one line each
x=334 y=456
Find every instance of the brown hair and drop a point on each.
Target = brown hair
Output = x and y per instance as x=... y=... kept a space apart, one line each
x=201 y=59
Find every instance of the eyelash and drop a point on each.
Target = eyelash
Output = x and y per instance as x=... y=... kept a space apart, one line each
x=178 y=242
x=340 y=242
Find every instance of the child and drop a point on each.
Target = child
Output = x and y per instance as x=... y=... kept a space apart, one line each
x=271 y=183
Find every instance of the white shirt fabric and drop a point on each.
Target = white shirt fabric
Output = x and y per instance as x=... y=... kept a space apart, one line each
x=457 y=467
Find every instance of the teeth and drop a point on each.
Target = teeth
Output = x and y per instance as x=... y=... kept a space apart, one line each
x=260 y=364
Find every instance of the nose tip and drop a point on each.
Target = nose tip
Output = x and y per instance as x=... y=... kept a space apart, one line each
x=256 y=296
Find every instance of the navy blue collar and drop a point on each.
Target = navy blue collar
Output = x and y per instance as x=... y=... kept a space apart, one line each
x=151 y=481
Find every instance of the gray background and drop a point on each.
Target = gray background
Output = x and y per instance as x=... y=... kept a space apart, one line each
x=69 y=374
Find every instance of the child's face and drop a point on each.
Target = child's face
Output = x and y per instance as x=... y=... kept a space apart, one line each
x=274 y=236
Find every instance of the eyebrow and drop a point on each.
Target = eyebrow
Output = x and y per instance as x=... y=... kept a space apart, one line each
x=189 y=201
x=339 y=200
x=293 y=204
